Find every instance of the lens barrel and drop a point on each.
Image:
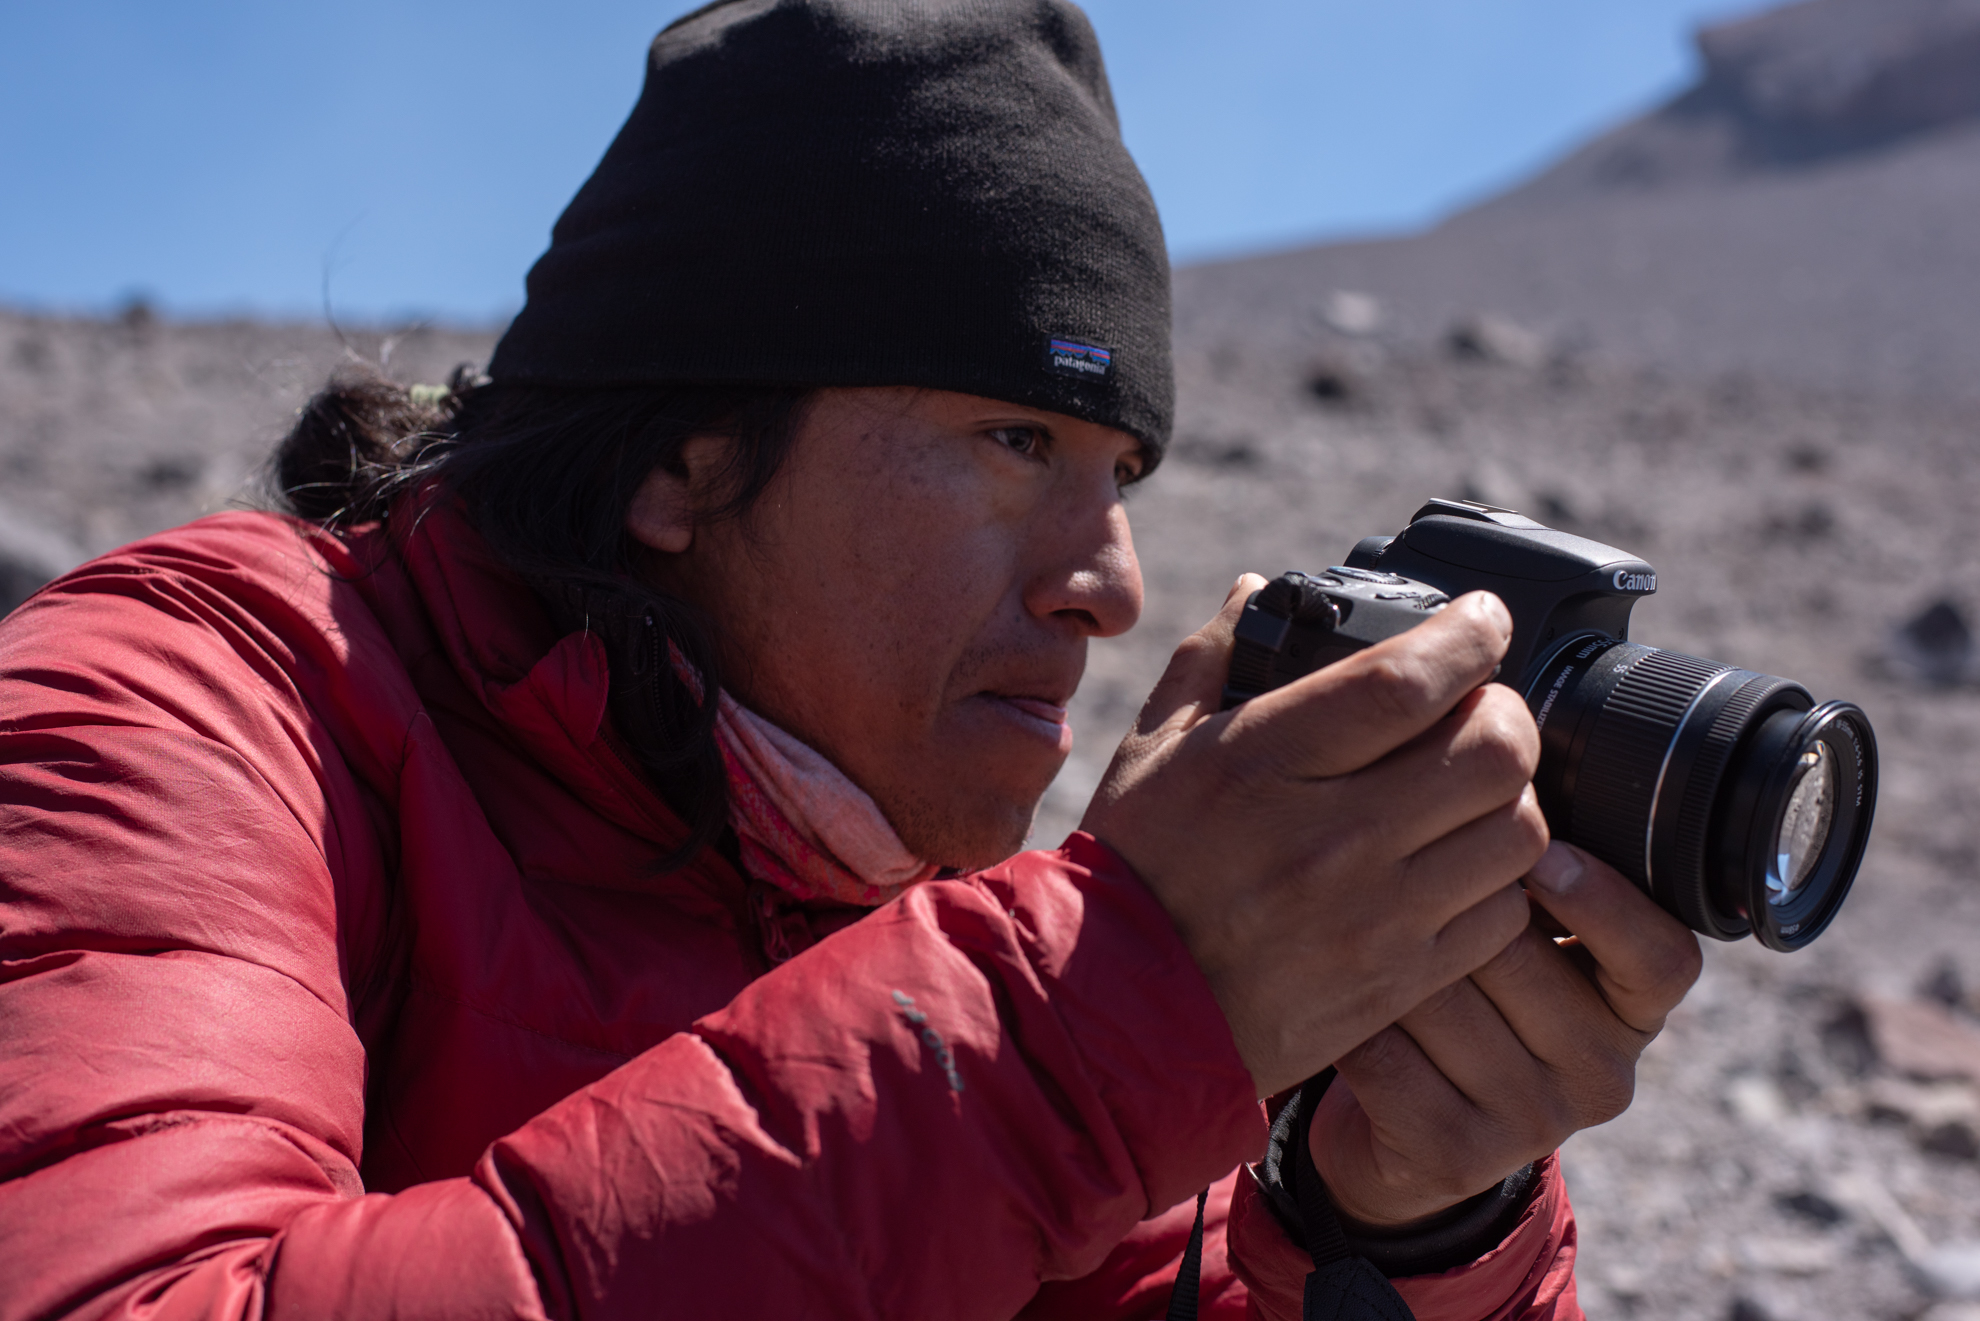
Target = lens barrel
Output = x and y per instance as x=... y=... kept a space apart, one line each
x=1729 y=796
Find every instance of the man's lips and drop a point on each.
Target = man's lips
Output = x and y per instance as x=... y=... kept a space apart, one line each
x=1042 y=716
x=1039 y=707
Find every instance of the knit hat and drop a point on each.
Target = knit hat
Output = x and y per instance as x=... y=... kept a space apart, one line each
x=865 y=192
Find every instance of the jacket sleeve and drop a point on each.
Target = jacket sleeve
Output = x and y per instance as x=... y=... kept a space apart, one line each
x=1527 y=1277
x=974 y=1090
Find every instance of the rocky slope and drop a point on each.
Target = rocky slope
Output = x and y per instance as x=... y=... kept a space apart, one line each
x=1806 y=211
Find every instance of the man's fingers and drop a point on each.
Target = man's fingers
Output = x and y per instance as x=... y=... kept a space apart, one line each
x=1474 y=762
x=1391 y=1090
x=1348 y=714
x=1565 y=1024
x=1471 y=938
x=1460 y=1032
x=1644 y=959
x=1194 y=681
x=1455 y=871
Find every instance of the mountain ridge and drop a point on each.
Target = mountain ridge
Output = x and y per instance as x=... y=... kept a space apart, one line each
x=1795 y=213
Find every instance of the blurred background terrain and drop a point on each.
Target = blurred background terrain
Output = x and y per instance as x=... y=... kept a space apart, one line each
x=1738 y=334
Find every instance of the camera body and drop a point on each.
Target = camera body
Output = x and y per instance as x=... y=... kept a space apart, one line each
x=1729 y=796
x=1556 y=585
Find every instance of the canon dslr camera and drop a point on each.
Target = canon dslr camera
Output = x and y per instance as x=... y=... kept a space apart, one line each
x=1732 y=798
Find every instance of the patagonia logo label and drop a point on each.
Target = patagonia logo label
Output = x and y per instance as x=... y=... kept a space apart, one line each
x=1075 y=359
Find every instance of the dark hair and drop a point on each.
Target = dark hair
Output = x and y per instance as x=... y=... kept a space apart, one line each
x=546 y=475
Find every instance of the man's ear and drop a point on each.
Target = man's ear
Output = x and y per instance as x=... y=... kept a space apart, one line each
x=662 y=512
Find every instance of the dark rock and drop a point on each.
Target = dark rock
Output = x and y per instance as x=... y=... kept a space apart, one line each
x=1332 y=384
x=1229 y=454
x=1943 y=985
x=173 y=472
x=1811 y=1206
x=1936 y=644
x=1812 y=522
x=1846 y=1041
x=1809 y=458
x=1956 y=1138
x=1494 y=339
x=1745 y=1309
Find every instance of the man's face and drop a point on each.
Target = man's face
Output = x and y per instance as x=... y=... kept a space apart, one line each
x=912 y=597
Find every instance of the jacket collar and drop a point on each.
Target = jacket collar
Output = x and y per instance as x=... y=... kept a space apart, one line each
x=548 y=688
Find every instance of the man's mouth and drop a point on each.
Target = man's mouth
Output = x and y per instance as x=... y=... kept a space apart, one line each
x=1041 y=716
x=1039 y=707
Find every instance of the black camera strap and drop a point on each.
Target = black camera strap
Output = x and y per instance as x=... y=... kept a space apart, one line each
x=1186 y=1297
x=1344 y=1285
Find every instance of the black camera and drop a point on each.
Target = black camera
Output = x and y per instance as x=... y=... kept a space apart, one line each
x=1732 y=798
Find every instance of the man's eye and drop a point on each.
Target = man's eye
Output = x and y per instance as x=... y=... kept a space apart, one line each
x=1024 y=440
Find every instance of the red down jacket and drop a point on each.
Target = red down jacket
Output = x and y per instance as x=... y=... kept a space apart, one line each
x=336 y=981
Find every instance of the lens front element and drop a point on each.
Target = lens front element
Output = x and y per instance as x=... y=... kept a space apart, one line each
x=1804 y=825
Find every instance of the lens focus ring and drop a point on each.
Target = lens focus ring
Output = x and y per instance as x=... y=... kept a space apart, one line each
x=1616 y=788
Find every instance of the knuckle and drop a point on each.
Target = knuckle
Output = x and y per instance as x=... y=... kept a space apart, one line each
x=1686 y=967
x=1671 y=973
x=1531 y=834
x=1380 y=1053
x=1519 y=961
x=1505 y=741
x=1563 y=1113
x=1598 y=1089
x=1395 y=686
x=1611 y=1089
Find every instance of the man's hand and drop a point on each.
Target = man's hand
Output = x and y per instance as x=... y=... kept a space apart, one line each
x=1337 y=850
x=1498 y=1069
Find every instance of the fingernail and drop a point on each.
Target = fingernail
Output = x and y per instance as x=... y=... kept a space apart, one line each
x=1495 y=610
x=1559 y=868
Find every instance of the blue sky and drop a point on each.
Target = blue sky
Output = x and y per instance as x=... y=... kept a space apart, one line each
x=233 y=155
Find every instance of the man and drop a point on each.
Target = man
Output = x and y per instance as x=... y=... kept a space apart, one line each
x=541 y=880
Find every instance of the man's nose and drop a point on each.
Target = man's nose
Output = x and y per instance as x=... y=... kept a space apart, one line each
x=1094 y=580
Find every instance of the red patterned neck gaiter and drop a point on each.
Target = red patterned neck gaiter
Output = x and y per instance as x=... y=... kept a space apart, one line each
x=805 y=827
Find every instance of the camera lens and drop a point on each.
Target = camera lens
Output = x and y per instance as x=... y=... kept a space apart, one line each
x=1735 y=801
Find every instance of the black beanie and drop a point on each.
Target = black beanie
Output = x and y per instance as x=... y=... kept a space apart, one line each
x=866 y=192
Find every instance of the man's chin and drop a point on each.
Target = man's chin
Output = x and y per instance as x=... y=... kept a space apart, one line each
x=970 y=835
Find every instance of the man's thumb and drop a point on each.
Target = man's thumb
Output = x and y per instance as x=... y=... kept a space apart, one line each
x=1196 y=673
